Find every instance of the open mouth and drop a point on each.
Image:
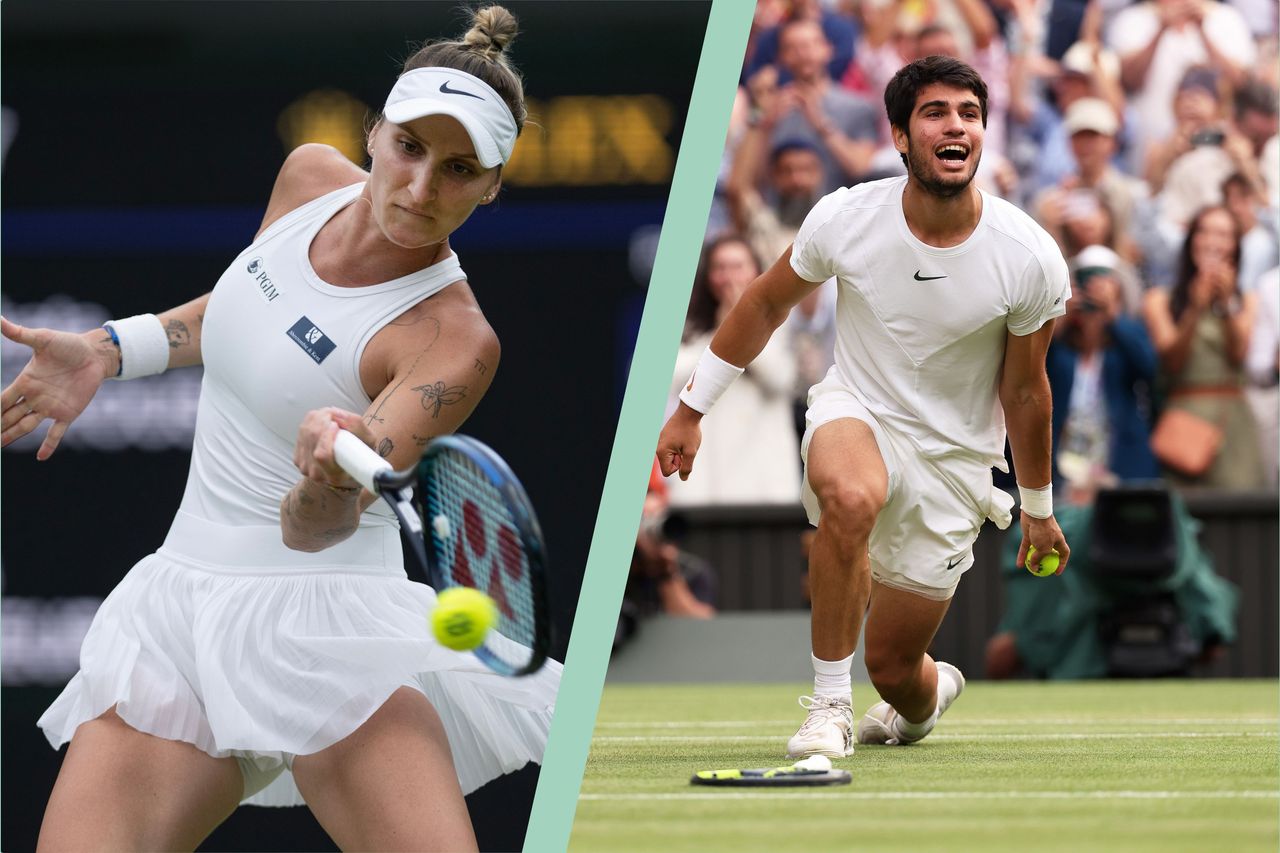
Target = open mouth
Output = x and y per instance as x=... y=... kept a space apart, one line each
x=952 y=153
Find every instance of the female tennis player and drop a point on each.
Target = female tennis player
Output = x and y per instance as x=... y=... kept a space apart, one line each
x=273 y=651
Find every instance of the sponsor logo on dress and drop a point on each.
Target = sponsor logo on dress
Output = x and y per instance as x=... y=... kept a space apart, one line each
x=266 y=286
x=314 y=342
x=927 y=277
x=951 y=564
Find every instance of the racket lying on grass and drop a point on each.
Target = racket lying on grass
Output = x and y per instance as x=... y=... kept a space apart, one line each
x=471 y=525
x=810 y=772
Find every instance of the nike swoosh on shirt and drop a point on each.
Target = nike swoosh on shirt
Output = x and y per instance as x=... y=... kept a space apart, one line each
x=927 y=277
x=444 y=87
x=953 y=563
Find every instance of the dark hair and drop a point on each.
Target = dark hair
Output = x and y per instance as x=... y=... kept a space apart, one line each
x=793 y=21
x=1257 y=96
x=703 y=304
x=1237 y=179
x=481 y=53
x=1202 y=77
x=1187 y=265
x=901 y=93
x=786 y=146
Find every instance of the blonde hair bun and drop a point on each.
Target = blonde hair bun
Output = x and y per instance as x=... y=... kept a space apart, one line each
x=493 y=29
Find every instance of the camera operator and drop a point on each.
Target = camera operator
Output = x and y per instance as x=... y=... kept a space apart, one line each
x=1101 y=365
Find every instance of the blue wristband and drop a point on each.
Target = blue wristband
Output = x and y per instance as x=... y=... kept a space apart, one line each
x=115 y=339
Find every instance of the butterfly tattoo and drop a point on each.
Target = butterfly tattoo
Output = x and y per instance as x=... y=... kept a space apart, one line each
x=437 y=395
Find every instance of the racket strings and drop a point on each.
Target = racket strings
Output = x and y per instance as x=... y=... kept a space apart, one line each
x=477 y=544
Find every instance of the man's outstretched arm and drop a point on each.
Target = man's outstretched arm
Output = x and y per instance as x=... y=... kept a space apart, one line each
x=744 y=333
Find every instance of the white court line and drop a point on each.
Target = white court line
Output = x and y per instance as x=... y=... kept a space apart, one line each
x=1039 y=721
x=607 y=739
x=944 y=795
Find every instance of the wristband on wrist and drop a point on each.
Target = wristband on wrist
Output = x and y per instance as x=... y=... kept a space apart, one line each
x=144 y=346
x=708 y=381
x=1037 y=503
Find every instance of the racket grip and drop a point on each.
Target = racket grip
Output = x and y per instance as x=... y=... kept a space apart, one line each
x=358 y=459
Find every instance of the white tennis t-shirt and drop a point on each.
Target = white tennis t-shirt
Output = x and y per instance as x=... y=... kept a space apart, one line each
x=920 y=331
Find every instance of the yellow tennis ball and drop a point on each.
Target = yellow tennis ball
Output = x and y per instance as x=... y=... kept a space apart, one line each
x=1048 y=563
x=462 y=618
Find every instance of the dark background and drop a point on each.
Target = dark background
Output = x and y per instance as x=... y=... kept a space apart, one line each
x=146 y=137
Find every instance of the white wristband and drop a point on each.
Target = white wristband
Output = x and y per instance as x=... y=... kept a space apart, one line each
x=708 y=381
x=144 y=346
x=1037 y=503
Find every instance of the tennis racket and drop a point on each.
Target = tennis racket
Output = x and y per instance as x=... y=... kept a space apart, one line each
x=471 y=524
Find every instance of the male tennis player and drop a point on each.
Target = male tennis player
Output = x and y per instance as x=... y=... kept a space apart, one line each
x=946 y=305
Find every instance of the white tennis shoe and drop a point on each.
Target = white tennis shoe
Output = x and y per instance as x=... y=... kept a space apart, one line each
x=828 y=730
x=880 y=724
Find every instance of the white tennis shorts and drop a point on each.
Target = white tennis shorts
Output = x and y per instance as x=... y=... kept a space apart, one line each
x=229 y=641
x=922 y=541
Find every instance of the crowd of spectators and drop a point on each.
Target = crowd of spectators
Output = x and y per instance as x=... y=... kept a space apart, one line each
x=1142 y=137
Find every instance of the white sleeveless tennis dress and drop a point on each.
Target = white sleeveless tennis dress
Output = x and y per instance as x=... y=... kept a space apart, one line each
x=225 y=638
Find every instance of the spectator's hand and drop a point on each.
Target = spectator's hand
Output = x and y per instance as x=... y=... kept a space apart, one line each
x=1091 y=29
x=1221 y=276
x=1006 y=178
x=767 y=96
x=809 y=100
x=1239 y=148
x=1201 y=292
x=1052 y=210
x=679 y=441
x=785 y=100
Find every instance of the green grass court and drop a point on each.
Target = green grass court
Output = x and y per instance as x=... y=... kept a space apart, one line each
x=1141 y=766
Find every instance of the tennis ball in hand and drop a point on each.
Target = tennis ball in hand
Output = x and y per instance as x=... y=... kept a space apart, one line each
x=1048 y=563
x=462 y=618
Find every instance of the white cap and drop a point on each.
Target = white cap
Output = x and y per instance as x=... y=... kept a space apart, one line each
x=473 y=102
x=1091 y=114
x=1097 y=257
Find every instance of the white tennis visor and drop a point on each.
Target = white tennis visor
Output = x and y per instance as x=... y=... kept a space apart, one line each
x=470 y=100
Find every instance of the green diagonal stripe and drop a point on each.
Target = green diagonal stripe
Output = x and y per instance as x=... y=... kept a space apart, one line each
x=597 y=615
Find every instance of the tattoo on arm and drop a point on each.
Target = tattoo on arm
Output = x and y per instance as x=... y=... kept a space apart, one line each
x=421 y=440
x=386 y=394
x=437 y=395
x=385 y=447
x=481 y=367
x=178 y=334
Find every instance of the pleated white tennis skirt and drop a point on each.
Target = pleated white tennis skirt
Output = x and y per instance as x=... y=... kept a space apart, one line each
x=229 y=641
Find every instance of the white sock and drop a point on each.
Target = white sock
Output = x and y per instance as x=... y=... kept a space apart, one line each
x=831 y=678
x=946 y=693
x=915 y=730
x=946 y=689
